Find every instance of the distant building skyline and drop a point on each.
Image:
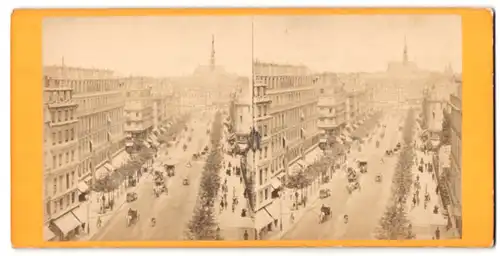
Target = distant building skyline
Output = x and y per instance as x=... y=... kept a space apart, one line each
x=155 y=46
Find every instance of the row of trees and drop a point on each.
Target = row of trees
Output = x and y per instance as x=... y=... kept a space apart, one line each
x=114 y=180
x=394 y=224
x=174 y=129
x=203 y=225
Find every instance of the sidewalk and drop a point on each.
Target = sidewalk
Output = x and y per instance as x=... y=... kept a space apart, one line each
x=231 y=223
x=424 y=220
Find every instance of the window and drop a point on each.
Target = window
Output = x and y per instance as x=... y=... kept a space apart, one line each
x=60 y=159
x=66 y=136
x=260 y=177
x=54 y=162
x=54 y=139
x=58 y=116
x=241 y=119
x=72 y=155
x=67 y=180
x=266 y=194
x=56 y=206
x=59 y=135
x=73 y=197
x=54 y=186
x=265 y=130
x=321 y=90
x=60 y=204
x=72 y=133
x=53 y=116
x=331 y=110
x=66 y=115
x=72 y=178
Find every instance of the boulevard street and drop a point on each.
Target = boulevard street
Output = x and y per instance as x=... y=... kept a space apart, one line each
x=364 y=207
x=172 y=211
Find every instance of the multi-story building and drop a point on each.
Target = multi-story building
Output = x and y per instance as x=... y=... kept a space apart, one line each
x=285 y=117
x=332 y=108
x=138 y=108
x=99 y=95
x=60 y=160
x=455 y=183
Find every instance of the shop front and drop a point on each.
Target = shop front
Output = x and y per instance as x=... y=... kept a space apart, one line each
x=67 y=226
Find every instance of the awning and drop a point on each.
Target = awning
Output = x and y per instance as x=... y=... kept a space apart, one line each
x=262 y=219
x=82 y=187
x=295 y=169
x=129 y=144
x=110 y=167
x=276 y=183
x=48 y=234
x=81 y=214
x=101 y=173
x=302 y=163
x=274 y=209
x=67 y=223
x=313 y=155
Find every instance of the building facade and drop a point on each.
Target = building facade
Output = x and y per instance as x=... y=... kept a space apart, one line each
x=332 y=104
x=456 y=159
x=61 y=158
x=285 y=116
x=138 y=110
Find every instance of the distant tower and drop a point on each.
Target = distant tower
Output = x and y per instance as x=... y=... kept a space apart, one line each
x=405 y=53
x=212 y=55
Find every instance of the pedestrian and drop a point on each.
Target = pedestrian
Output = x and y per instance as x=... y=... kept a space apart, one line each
x=437 y=190
x=245 y=235
x=225 y=203
x=221 y=205
x=437 y=233
x=241 y=179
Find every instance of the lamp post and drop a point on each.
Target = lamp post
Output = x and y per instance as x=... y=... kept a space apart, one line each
x=92 y=173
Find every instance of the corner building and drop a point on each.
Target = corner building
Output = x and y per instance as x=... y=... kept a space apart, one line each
x=284 y=114
x=60 y=161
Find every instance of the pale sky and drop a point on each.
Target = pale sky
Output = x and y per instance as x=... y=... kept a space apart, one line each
x=151 y=46
x=351 y=43
x=172 y=46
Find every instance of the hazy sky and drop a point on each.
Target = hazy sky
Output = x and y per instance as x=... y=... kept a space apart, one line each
x=156 y=46
x=169 y=46
x=346 y=43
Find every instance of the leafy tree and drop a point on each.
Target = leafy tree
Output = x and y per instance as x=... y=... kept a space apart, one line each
x=445 y=135
x=203 y=225
x=394 y=224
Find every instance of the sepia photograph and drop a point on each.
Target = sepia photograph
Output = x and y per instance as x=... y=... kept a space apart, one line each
x=339 y=127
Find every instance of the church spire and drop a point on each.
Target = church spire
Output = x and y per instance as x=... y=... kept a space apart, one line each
x=212 y=54
x=405 y=52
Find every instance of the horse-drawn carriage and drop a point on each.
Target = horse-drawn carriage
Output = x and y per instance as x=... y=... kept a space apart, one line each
x=363 y=165
x=170 y=167
x=324 y=214
x=132 y=217
x=352 y=186
x=159 y=186
x=324 y=193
